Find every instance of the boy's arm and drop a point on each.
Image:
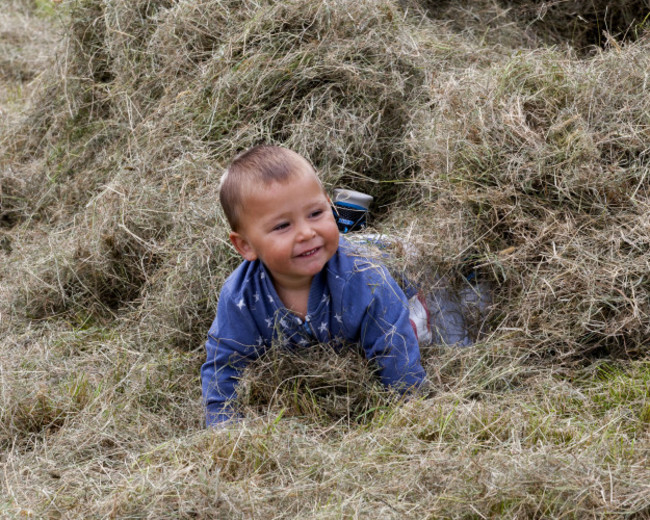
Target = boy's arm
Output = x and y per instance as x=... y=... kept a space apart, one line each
x=231 y=345
x=386 y=334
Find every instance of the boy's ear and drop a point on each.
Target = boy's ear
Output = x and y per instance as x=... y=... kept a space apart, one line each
x=242 y=246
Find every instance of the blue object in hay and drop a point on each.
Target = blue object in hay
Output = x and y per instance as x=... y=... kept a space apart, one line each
x=350 y=209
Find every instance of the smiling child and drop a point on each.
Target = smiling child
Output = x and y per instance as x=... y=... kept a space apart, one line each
x=299 y=283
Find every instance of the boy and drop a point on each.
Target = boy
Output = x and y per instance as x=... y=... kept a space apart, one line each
x=299 y=284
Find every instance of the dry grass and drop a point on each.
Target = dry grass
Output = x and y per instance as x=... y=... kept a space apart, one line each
x=474 y=135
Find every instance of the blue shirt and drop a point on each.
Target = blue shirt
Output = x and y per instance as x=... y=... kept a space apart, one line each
x=352 y=300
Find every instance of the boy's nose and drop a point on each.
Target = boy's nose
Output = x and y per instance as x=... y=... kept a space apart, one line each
x=305 y=231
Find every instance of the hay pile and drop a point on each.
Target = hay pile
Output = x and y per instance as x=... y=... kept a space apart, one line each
x=473 y=134
x=532 y=149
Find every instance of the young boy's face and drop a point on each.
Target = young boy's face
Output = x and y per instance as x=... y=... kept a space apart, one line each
x=289 y=227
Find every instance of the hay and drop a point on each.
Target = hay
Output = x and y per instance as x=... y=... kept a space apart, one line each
x=482 y=145
x=535 y=165
x=583 y=26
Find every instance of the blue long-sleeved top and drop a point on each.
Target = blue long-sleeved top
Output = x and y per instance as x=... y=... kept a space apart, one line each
x=353 y=299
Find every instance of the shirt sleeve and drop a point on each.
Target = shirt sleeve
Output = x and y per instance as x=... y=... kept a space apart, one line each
x=386 y=334
x=232 y=343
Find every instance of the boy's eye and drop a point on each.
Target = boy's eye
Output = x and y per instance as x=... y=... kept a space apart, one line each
x=281 y=226
x=316 y=213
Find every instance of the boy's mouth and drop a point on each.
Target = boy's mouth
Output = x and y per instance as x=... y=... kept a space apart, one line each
x=311 y=252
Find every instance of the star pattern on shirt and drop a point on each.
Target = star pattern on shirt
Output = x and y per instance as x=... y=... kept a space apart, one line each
x=283 y=323
x=269 y=322
x=323 y=327
x=325 y=299
x=241 y=304
x=262 y=275
x=260 y=341
x=270 y=298
x=338 y=318
x=302 y=342
x=257 y=297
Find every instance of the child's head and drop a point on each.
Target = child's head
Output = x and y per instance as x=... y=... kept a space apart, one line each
x=279 y=213
x=256 y=167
